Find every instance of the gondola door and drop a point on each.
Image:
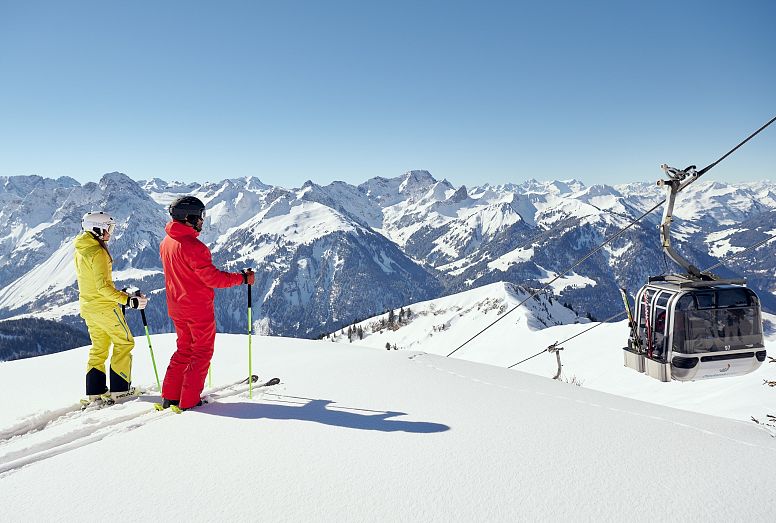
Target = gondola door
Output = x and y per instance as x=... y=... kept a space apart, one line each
x=657 y=321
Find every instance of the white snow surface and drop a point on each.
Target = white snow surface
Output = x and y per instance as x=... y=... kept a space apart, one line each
x=356 y=434
x=573 y=280
x=503 y=262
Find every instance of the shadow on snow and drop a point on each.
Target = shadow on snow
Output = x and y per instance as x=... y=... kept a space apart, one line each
x=316 y=410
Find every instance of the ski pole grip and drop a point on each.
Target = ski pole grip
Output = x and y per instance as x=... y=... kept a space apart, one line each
x=142 y=315
x=250 y=294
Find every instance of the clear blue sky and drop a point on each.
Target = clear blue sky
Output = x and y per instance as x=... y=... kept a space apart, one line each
x=474 y=92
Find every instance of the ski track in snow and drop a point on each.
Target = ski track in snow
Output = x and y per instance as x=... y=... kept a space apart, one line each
x=36 y=422
x=92 y=430
x=613 y=409
x=75 y=439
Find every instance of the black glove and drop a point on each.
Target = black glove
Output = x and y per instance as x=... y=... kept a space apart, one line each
x=136 y=300
x=249 y=277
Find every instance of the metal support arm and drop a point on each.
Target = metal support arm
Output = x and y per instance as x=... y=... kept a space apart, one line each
x=554 y=348
x=679 y=179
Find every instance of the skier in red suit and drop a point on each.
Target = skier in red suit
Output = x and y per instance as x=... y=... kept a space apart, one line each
x=190 y=277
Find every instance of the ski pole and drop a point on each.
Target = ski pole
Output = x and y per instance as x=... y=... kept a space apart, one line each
x=250 y=331
x=134 y=291
x=150 y=348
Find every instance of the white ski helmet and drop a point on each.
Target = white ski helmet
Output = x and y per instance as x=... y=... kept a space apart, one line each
x=98 y=222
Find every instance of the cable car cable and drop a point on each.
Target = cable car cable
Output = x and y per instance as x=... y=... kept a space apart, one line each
x=571 y=338
x=731 y=151
x=528 y=358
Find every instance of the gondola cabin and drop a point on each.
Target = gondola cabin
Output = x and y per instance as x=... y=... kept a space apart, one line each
x=689 y=330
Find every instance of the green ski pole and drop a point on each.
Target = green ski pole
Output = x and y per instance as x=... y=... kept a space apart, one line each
x=150 y=348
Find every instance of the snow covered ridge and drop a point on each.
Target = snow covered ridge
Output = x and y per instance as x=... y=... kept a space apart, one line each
x=328 y=255
x=430 y=324
x=592 y=359
x=356 y=434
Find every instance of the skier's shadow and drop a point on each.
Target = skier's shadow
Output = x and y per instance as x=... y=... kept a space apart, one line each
x=316 y=410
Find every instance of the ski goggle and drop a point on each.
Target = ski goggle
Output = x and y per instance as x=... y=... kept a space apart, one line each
x=111 y=227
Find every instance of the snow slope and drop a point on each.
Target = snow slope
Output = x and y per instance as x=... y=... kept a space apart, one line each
x=355 y=434
x=594 y=358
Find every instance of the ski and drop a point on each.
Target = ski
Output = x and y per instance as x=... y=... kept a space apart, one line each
x=214 y=390
x=214 y=395
x=636 y=341
x=108 y=399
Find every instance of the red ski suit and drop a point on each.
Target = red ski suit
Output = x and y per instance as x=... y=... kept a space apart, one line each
x=190 y=277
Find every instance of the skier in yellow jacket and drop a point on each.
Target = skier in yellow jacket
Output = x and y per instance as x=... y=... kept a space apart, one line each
x=100 y=303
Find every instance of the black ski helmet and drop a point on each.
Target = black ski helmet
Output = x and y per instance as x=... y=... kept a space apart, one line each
x=187 y=209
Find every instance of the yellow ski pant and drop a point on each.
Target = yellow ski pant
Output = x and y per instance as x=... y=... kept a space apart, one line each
x=108 y=327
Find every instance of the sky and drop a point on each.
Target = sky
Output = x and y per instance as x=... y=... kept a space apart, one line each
x=474 y=92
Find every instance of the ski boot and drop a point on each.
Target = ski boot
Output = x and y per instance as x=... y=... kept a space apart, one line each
x=124 y=395
x=95 y=400
x=177 y=410
x=165 y=404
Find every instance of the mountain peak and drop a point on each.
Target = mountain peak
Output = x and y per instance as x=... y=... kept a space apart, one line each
x=117 y=186
x=458 y=196
x=67 y=181
x=600 y=190
x=412 y=181
x=419 y=175
x=116 y=177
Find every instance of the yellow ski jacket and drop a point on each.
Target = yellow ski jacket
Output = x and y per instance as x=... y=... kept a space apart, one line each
x=95 y=282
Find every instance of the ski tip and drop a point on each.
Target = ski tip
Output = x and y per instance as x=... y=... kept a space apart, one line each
x=273 y=381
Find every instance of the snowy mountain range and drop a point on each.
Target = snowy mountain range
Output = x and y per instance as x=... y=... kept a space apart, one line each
x=327 y=256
